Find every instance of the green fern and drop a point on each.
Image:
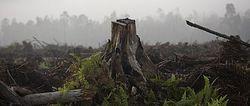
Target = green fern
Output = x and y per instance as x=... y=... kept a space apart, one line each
x=81 y=68
x=117 y=97
x=172 y=82
x=218 y=102
x=150 y=98
x=206 y=97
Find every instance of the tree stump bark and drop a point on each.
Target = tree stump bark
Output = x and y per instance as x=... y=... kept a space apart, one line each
x=125 y=56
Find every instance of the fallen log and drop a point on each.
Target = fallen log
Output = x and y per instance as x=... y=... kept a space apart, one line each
x=54 y=97
x=9 y=96
x=230 y=38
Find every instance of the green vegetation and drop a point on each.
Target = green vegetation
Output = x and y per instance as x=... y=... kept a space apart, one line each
x=206 y=97
x=82 y=68
x=117 y=97
x=44 y=65
x=169 y=93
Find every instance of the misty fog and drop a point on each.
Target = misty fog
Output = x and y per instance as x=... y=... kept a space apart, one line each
x=163 y=26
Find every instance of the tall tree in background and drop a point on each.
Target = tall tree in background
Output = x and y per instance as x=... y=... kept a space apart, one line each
x=230 y=10
x=232 y=21
x=164 y=27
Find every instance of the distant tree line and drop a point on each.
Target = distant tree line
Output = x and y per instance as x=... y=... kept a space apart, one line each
x=166 y=27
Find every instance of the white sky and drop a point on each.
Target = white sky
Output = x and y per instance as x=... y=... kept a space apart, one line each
x=97 y=9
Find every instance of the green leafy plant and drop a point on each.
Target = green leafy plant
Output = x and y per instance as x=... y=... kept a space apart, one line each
x=117 y=97
x=206 y=97
x=44 y=65
x=150 y=98
x=169 y=87
x=81 y=68
x=172 y=82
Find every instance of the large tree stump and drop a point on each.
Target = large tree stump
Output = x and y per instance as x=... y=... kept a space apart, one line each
x=125 y=55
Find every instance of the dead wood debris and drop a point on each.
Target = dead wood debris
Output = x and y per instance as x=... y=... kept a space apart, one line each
x=29 y=70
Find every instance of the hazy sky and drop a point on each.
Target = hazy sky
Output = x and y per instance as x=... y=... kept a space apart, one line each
x=97 y=9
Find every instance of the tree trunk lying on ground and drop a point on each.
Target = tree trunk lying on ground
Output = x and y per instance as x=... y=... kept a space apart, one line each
x=54 y=97
x=10 y=96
